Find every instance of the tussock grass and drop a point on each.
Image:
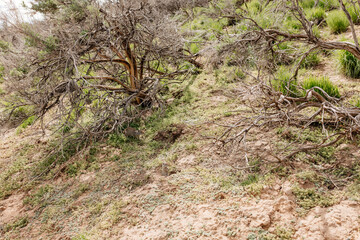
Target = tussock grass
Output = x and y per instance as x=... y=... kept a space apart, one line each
x=312 y=60
x=284 y=84
x=323 y=83
x=355 y=14
x=337 y=21
x=349 y=64
x=315 y=14
x=324 y=4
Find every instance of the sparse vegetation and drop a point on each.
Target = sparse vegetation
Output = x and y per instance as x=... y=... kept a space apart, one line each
x=284 y=82
x=128 y=119
x=312 y=60
x=337 y=21
x=309 y=198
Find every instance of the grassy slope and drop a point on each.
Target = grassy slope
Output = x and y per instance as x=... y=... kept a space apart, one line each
x=191 y=189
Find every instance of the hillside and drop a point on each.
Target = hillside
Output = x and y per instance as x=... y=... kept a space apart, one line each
x=182 y=177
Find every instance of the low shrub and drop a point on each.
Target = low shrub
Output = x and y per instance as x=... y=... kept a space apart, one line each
x=324 y=83
x=337 y=21
x=349 y=64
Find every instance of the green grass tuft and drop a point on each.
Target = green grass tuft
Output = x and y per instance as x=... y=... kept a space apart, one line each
x=349 y=64
x=315 y=14
x=324 y=4
x=284 y=84
x=323 y=83
x=307 y=3
x=354 y=13
x=312 y=60
x=337 y=21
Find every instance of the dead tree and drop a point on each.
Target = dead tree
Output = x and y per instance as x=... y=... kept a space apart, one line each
x=108 y=61
x=275 y=107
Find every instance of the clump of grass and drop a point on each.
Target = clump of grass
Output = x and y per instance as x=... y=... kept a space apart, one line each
x=19 y=223
x=254 y=7
x=328 y=4
x=307 y=3
x=2 y=70
x=337 y=21
x=356 y=102
x=292 y=24
x=349 y=64
x=354 y=13
x=324 y=4
x=323 y=83
x=283 y=82
x=4 y=46
x=27 y=122
x=316 y=14
x=310 y=61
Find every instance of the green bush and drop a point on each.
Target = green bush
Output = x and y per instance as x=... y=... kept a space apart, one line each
x=337 y=21
x=323 y=83
x=310 y=61
x=350 y=65
x=282 y=82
